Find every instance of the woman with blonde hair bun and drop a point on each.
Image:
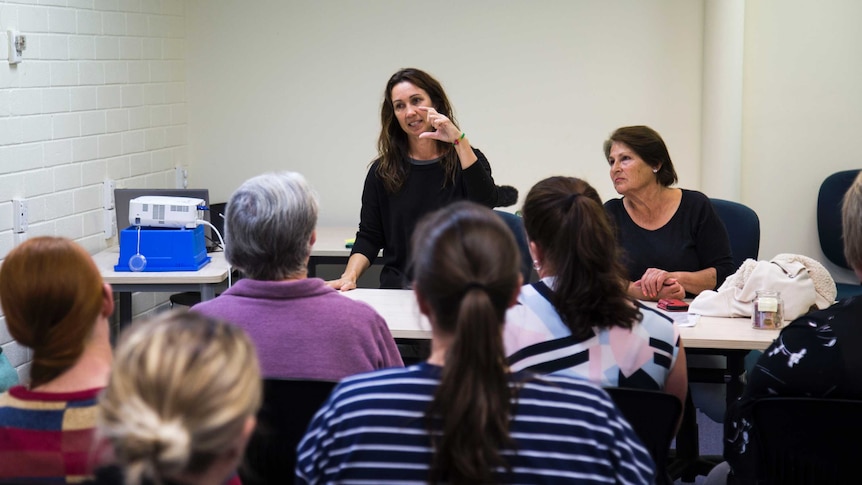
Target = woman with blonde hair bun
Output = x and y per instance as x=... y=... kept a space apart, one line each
x=181 y=402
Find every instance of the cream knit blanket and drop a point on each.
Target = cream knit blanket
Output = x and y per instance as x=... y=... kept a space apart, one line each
x=802 y=281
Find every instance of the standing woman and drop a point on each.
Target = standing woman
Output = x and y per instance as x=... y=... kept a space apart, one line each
x=424 y=162
x=462 y=417
x=675 y=244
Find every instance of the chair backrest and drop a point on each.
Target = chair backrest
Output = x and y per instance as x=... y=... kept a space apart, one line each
x=217 y=213
x=653 y=416
x=516 y=224
x=807 y=440
x=288 y=406
x=829 y=228
x=743 y=229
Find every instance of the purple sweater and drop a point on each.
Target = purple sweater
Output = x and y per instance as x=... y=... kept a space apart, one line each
x=305 y=330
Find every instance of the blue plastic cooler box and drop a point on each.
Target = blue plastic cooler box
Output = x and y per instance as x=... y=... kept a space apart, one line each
x=166 y=249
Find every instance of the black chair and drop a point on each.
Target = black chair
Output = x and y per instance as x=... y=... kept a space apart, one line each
x=743 y=229
x=288 y=406
x=516 y=224
x=807 y=440
x=829 y=227
x=653 y=416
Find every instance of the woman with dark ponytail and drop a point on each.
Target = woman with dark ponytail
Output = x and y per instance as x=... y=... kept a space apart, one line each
x=462 y=416
x=578 y=320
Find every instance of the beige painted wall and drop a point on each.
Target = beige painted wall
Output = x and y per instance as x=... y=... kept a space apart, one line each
x=802 y=114
x=536 y=85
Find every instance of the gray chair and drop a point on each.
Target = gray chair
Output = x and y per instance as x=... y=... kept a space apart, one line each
x=516 y=224
x=829 y=227
x=743 y=229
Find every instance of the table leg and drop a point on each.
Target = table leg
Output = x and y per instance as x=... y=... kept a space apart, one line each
x=125 y=309
x=735 y=368
x=207 y=292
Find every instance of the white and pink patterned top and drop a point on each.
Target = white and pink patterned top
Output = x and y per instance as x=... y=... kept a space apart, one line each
x=537 y=340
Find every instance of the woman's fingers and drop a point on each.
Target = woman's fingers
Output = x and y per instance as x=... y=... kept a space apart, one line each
x=445 y=130
x=653 y=281
x=341 y=284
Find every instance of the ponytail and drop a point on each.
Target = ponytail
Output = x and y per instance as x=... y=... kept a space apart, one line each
x=466 y=269
x=565 y=218
x=51 y=293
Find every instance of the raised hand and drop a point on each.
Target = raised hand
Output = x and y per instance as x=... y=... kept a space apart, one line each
x=445 y=129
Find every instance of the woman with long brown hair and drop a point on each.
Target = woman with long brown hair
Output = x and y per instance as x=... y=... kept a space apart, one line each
x=462 y=416
x=424 y=162
x=56 y=304
x=578 y=319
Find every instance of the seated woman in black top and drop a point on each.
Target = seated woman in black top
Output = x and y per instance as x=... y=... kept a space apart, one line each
x=674 y=243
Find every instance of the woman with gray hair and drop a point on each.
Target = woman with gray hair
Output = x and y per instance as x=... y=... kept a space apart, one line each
x=809 y=358
x=302 y=328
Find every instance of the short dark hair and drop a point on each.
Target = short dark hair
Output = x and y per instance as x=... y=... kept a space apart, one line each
x=647 y=143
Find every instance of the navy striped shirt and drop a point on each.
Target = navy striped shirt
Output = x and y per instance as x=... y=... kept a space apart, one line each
x=372 y=429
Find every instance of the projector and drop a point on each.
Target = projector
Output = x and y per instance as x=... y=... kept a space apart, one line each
x=161 y=211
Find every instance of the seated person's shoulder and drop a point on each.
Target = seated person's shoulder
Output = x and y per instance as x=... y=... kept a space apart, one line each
x=847 y=311
x=695 y=199
x=559 y=386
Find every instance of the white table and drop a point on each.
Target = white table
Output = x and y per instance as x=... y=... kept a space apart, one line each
x=399 y=309
x=331 y=241
x=203 y=280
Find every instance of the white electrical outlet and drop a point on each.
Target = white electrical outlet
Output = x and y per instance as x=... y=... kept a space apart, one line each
x=20 y=215
x=17 y=44
x=182 y=178
x=108 y=187
x=110 y=228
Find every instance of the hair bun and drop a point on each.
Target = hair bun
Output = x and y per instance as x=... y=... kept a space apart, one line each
x=156 y=446
x=171 y=440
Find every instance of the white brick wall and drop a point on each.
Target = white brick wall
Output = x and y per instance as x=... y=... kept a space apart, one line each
x=100 y=95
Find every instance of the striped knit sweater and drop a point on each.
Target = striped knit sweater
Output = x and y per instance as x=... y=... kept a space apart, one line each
x=46 y=437
x=372 y=430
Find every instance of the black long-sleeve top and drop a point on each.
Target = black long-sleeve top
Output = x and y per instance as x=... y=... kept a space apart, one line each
x=387 y=220
x=693 y=239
